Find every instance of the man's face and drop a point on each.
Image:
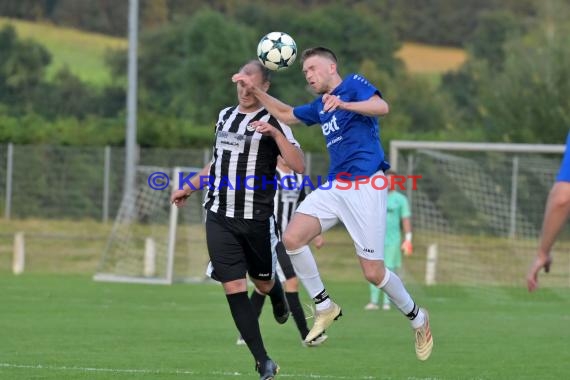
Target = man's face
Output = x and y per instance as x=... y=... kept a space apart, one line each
x=318 y=72
x=247 y=101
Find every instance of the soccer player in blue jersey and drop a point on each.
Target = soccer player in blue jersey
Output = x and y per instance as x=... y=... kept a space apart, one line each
x=555 y=216
x=347 y=111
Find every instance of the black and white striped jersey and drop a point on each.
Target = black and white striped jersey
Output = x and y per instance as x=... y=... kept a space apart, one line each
x=242 y=180
x=289 y=194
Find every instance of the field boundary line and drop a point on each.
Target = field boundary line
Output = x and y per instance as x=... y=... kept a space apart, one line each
x=172 y=371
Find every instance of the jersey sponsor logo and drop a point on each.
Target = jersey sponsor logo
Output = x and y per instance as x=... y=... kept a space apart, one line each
x=334 y=141
x=230 y=141
x=330 y=126
x=290 y=196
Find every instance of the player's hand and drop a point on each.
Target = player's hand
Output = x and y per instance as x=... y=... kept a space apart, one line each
x=541 y=261
x=407 y=247
x=265 y=128
x=178 y=198
x=331 y=102
x=243 y=80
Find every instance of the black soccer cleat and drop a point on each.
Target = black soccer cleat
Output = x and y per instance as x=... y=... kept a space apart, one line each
x=281 y=310
x=267 y=370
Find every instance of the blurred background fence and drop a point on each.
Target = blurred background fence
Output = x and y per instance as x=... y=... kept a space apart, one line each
x=480 y=213
x=63 y=182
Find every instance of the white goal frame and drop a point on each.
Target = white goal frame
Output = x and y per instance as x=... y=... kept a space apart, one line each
x=172 y=226
x=397 y=145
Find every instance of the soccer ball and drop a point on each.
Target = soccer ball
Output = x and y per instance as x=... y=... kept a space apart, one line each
x=277 y=51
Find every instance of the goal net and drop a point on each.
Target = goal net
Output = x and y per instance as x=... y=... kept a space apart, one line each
x=152 y=241
x=478 y=209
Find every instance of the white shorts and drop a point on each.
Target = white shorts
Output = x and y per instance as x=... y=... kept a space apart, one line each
x=362 y=211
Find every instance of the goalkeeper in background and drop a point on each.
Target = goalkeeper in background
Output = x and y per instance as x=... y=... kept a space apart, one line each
x=555 y=216
x=397 y=218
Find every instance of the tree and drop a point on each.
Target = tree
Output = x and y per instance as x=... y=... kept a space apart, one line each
x=154 y=13
x=494 y=30
x=529 y=99
x=185 y=68
x=22 y=67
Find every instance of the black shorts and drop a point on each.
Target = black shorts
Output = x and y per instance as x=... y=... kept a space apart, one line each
x=239 y=246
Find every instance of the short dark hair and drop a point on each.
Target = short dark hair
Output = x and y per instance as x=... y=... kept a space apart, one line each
x=265 y=72
x=320 y=51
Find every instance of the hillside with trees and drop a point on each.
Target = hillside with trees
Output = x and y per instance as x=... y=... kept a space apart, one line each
x=513 y=86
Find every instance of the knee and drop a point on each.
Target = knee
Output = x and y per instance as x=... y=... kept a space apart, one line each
x=292 y=285
x=290 y=241
x=264 y=287
x=372 y=278
x=375 y=275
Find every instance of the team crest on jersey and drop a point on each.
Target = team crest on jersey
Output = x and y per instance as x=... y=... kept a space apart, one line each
x=250 y=128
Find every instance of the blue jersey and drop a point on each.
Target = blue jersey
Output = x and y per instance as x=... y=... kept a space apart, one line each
x=564 y=172
x=352 y=139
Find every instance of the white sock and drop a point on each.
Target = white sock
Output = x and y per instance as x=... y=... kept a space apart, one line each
x=393 y=286
x=306 y=269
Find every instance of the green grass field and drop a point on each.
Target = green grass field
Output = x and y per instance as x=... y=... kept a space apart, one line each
x=70 y=327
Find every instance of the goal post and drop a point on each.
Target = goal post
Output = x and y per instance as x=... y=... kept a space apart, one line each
x=481 y=205
x=152 y=241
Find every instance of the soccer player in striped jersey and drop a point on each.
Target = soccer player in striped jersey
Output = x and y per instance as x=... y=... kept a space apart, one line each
x=347 y=109
x=239 y=203
x=290 y=192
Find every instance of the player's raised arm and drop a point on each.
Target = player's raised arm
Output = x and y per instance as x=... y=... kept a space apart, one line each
x=375 y=106
x=277 y=108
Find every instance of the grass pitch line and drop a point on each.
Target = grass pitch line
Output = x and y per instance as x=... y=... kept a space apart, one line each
x=94 y=369
x=173 y=372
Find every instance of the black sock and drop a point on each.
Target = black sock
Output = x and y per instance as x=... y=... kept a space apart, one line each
x=257 y=301
x=247 y=324
x=276 y=293
x=298 y=313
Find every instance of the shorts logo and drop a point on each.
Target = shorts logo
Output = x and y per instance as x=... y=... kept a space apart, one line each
x=369 y=250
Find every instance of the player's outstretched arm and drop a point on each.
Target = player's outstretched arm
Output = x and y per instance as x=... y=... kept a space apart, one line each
x=375 y=106
x=276 y=107
x=179 y=196
x=555 y=216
